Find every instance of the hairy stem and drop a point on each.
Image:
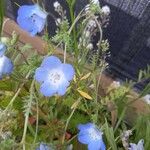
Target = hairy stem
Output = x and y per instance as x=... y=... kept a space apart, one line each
x=27 y=114
x=68 y=120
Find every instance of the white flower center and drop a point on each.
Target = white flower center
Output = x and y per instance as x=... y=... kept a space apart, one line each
x=56 y=77
x=94 y=135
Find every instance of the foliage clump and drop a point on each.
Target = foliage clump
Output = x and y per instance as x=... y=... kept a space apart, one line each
x=29 y=118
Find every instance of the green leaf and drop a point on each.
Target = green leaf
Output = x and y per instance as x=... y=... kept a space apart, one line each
x=1 y=14
x=7 y=144
x=142 y=130
x=7 y=85
x=144 y=74
x=110 y=136
x=145 y=91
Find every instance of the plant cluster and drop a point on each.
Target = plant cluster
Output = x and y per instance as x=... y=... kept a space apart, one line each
x=59 y=103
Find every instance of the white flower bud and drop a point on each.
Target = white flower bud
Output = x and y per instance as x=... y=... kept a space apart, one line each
x=80 y=39
x=92 y=86
x=87 y=8
x=95 y=2
x=147 y=98
x=87 y=34
x=84 y=42
x=106 y=10
x=92 y=23
x=116 y=84
x=90 y=46
x=56 y=4
x=58 y=21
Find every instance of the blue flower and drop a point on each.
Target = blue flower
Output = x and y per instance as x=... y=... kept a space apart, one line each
x=2 y=49
x=54 y=76
x=89 y=134
x=138 y=146
x=6 y=66
x=31 y=18
x=43 y=147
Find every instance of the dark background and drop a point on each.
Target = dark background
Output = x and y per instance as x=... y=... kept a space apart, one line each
x=128 y=33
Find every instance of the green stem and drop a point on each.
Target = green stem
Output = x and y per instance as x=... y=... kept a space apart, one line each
x=75 y=45
x=2 y=5
x=67 y=123
x=120 y=119
x=97 y=88
x=65 y=53
x=16 y=4
x=27 y=114
x=68 y=120
x=100 y=74
x=37 y=119
x=100 y=29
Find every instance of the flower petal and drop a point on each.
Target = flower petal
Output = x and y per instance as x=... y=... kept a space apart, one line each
x=83 y=137
x=26 y=10
x=63 y=88
x=85 y=126
x=68 y=71
x=6 y=65
x=41 y=74
x=39 y=23
x=33 y=32
x=31 y=18
x=26 y=24
x=39 y=12
x=9 y=67
x=2 y=49
x=51 y=62
x=44 y=147
x=140 y=144
x=98 y=145
x=47 y=89
x=1 y=76
x=133 y=146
